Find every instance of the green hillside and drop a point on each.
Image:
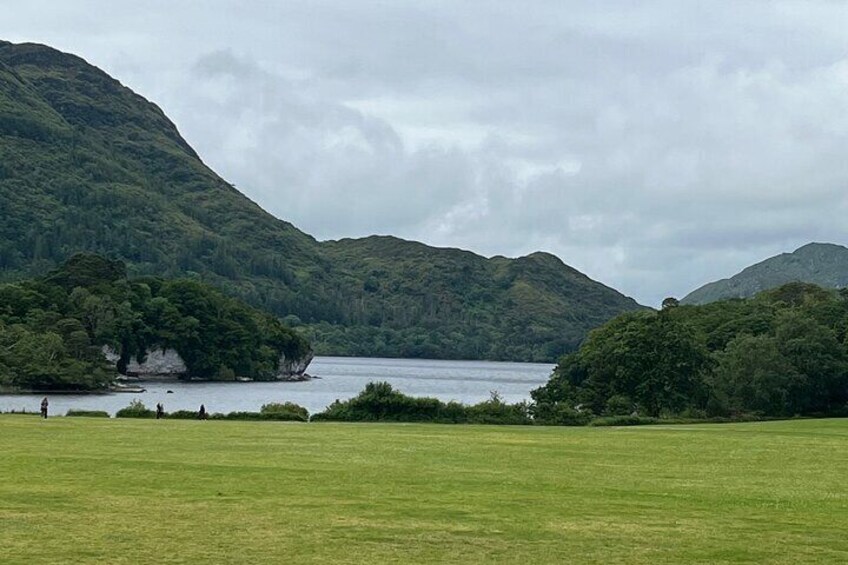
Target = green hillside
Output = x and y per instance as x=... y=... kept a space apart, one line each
x=422 y=301
x=823 y=264
x=88 y=165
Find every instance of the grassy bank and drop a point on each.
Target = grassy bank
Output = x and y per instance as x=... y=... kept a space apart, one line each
x=128 y=491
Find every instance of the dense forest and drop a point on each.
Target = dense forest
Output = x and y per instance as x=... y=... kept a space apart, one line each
x=88 y=165
x=53 y=328
x=782 y=353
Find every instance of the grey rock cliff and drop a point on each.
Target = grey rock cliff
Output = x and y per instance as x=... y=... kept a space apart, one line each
x=157 y=362
x=294 y=368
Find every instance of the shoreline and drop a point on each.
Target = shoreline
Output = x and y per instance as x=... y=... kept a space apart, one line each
x=133 y=384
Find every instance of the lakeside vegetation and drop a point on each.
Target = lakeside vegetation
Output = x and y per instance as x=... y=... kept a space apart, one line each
x=274 y=411
x=227 y=492
x=53 y=329
x=780 y=354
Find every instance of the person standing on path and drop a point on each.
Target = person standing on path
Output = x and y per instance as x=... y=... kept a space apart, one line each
x=44 y=405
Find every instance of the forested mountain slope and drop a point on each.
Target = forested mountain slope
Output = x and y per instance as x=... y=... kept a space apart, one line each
x=88 y=165
x=423 y=301
x=823 y=264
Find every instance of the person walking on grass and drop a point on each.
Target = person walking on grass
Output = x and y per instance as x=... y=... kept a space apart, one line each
x=201 y=414
x=44 y=405
x=160 y=411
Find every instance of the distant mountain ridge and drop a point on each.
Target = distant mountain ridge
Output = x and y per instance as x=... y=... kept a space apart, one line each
x=823 y=264
x=88 y=165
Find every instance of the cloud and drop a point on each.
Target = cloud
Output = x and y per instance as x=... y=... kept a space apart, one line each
x=653 y=145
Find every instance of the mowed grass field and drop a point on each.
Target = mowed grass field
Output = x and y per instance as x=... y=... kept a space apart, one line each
x=77 y=490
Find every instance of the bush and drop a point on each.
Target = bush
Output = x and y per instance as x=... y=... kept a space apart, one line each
x=87 y=413
x=182 y=415
x=453 y=413
x=335 y=412
x=496 y=411
x=380 y=402
x=619 y=405
x=285 y=411
x=629 y=421
x=281 y=416
x=560 y=414
x=236 y=416
x=136 y=409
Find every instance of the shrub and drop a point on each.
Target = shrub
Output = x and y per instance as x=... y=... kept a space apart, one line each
x=694 y=414
x=453 y=413
x=256 y=416
x=380 y=402
x=560 y=414
x=87 y=413
x=136 y=409
x=236 y=416
x=337 y=411
x=628 y=421
x=496 y=411
x=224 y=373
x=619 y=405
x=285 y=411
x=182 y=415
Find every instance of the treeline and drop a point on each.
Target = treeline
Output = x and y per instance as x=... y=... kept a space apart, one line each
x=53 y=329
x=780 y=354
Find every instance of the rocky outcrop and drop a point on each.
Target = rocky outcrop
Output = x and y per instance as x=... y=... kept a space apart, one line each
x=111 y=355
x=168 y=363
x=158 y=363
x=294 y=369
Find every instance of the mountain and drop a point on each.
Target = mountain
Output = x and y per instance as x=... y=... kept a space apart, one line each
x=455 y=304
x=88 y=165
x=823 y=264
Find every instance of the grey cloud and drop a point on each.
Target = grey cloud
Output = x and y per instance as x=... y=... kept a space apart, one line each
x=314 y=159
x=654 y=145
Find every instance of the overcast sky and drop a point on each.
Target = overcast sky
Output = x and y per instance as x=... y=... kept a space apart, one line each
x=655 y=146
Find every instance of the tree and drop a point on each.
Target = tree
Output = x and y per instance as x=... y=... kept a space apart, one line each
x=753 y=375
x=649 y=358
x=669 y=303
x=816 y=354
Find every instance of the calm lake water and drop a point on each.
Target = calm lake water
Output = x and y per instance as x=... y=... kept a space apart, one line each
x=341 y=378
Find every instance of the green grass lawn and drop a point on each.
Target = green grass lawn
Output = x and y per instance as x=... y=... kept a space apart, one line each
x=134 y=491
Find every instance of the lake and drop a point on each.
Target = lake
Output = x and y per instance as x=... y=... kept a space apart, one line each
x=468 y=382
